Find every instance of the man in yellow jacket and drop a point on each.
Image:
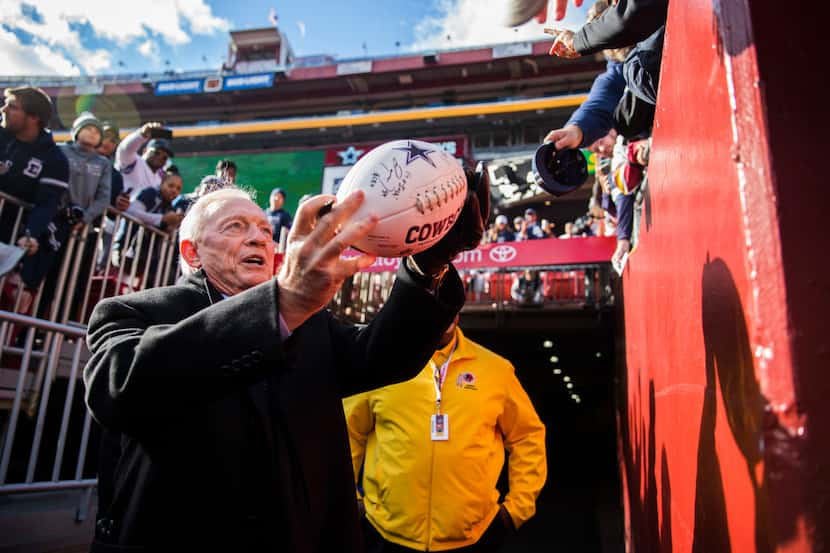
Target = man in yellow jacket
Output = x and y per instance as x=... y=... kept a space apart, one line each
x=431 y=450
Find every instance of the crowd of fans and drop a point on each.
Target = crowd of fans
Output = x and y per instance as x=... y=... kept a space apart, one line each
x=616 y=120
x=70 y=186
x=596 y=222
x=64 y=189
x=614 y=123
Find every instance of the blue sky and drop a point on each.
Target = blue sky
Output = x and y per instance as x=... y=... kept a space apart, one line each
x=83 y=37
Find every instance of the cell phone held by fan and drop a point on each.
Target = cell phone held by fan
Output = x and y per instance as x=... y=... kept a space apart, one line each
x=161 y=132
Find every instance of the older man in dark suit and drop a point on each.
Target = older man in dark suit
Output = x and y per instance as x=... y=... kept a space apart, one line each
x=226 y=388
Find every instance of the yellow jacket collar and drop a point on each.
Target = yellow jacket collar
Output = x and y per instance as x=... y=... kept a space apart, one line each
x=464 y=350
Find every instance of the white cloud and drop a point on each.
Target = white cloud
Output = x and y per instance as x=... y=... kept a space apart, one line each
x=301 y=26
x=116 y=21
x=96 y=62
x=149 y=49
x=479 y=22
x=19 y=59
x=201 y=19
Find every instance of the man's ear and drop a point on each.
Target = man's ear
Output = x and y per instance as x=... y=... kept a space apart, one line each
x=190 y=253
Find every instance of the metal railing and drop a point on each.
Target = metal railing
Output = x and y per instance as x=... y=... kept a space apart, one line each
x=122 y=255
x=546 y=287
x=42 y=345
x=31 y=479
x=558 y=287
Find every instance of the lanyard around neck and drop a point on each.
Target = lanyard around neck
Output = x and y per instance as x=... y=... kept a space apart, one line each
x=439 y=374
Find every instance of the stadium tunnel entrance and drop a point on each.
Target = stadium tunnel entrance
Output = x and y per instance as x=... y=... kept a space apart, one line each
x=580 y=506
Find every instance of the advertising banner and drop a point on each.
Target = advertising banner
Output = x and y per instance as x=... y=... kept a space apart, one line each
x=354 y=67
x=188 y=86
x=215 y=84
x=512 y=50
x=532 y=253
x=248 y=82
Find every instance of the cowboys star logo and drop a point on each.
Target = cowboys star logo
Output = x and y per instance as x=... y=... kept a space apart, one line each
x=413 y=152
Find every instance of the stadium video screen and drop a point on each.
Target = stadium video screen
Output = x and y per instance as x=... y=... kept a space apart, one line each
x=297 y=173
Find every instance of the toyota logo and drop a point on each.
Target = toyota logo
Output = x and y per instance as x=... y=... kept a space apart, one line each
x=502 y=253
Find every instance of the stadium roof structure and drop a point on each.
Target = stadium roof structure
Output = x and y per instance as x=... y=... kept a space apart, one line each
x=325 y=86
x=279 y=100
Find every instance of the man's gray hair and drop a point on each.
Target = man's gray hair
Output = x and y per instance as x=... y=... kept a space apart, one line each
x=199 y=213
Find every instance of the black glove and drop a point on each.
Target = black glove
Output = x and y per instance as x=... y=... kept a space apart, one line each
x=467 y=231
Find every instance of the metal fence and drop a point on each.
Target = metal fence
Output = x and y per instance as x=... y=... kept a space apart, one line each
x=550 y=287
x=45 y=430
x=553 y=287
x=31 y=400
x=118 y=256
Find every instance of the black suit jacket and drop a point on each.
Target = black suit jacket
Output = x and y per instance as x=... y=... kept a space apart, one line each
x=231 y=438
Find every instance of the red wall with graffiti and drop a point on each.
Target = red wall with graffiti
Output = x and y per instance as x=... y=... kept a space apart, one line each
x=713 y=436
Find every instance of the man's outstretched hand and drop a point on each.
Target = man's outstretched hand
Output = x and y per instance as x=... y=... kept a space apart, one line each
x=313 y=270
x=467 y=231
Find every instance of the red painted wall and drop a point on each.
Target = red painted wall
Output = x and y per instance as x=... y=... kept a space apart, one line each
x=714 y=428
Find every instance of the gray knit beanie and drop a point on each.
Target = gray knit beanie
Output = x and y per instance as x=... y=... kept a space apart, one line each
x=86 y=119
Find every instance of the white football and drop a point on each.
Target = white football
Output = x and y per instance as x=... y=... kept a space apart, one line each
x=415 y=188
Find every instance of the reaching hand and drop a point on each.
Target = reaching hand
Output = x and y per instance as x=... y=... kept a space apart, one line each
x=642 y=151
x=605 y=145
x=313 y=271
x=145 y=129
x=563 y=46
x=623 y=246
x=569 y=136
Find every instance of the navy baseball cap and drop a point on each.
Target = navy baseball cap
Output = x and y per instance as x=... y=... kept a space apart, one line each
x=161 y=144
x=559 y=172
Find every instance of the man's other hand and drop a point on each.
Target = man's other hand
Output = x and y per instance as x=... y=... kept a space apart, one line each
x=313 y=271
x=569 y=136
x=467 y=231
